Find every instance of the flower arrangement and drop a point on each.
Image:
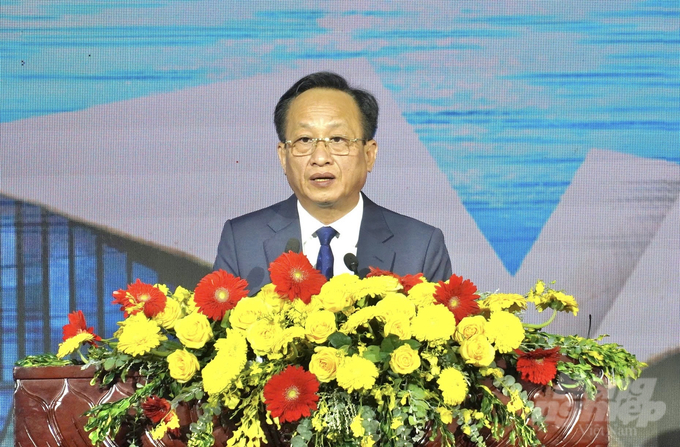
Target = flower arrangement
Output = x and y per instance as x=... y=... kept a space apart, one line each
x=385 y=360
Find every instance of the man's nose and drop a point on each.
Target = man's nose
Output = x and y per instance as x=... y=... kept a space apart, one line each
x=321 y=154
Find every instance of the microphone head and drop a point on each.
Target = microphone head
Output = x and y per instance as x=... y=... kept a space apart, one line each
x=352 y=262
x=293 y=245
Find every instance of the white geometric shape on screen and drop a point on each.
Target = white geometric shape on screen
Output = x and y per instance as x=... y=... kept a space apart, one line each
x=645 y=317
x=607 y=218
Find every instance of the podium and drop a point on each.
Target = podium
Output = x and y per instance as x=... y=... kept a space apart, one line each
x=49 y=403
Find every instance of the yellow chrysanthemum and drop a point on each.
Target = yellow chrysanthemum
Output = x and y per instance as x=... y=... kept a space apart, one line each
x=376 y=286
x=545 y=297
x=338 y=292
x=469 y=327
x=169 y=315
x=219 y=373
x=71 y=345
x=433 y=324
x=263 y=336
x=269 y=296
x=356 y=373
x=505 y=330
x=512 y=302
x=320 y=325
x=358 y=318
x=287 y=336
x=422 y=294
x=453 y=386
x=247 y=312
x=477 y=351
x=234 y=346
x=139 y=335
x=395 y=305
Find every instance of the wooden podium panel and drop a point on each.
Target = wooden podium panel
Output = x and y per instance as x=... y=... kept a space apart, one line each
x=49 y=403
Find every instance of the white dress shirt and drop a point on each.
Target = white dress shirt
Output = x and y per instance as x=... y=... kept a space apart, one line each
x=344 y=242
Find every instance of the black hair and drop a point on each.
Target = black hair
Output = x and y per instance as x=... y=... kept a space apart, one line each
x=368 y=105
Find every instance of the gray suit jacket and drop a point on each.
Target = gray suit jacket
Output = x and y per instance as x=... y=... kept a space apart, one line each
x=387 y=240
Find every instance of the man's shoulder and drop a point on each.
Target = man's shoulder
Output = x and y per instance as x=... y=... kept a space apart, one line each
x=397 y=221
x=285 y=208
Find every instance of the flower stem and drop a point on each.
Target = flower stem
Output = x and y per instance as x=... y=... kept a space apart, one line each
x=541 y=325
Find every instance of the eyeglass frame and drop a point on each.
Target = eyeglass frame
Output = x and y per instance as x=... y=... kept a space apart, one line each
x=326 y=141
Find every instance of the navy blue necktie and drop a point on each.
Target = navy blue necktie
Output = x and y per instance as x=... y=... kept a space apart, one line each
x=324 y=263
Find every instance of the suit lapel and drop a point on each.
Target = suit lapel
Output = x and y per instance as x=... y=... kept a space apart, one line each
x=285 y=225
x=374 y=232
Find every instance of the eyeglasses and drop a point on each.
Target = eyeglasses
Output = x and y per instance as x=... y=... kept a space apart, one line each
x=335 y=145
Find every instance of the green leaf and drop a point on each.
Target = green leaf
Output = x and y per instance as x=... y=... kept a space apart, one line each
x=414 y=344
x=372 y=353
x=389 y=344
x=338 y=340
x=110 y=363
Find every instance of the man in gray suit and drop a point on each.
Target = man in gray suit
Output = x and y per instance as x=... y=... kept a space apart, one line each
x=326 y=150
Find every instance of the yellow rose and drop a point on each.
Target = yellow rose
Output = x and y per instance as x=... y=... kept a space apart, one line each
x=320 y=324
x=404 y=360
x=193 y=330
x=468 y=327
x=183 y=365
x=247 y=312
x=170 y=315
x=399 y=326
x=324 y=363
x=263 y=336
x=477 y=351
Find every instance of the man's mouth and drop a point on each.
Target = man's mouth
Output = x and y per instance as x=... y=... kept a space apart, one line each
x=322 y=177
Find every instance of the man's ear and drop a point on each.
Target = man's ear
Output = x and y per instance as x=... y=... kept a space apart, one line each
x=370 y=152
x=281 y=151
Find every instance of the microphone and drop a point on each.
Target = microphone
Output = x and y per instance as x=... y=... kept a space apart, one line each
x=352 y=263
x=292 y=245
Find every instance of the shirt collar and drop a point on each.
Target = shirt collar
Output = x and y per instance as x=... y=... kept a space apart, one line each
x=347 y=226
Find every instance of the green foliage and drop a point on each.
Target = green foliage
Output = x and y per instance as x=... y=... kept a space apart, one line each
x=42 y=360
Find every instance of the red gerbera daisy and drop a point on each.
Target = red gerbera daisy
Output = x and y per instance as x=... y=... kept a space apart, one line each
x=459 y=296
x=291 y=394
x=294 y=276
x=140 y=297
x=538 y=366
x=406 y=281
x=218 y=292
x=77 y=325
x=156 y=408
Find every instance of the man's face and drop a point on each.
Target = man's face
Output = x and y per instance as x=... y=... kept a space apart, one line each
x=326 y=185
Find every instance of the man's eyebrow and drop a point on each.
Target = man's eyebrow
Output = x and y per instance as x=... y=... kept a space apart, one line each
x=333 y=124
